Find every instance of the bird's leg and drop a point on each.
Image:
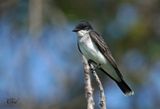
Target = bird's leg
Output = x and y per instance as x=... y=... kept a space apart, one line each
x=93 y=65
x=90 y=62
x=92 y=68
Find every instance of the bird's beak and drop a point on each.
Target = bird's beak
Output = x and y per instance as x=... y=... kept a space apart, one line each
x=75 y=30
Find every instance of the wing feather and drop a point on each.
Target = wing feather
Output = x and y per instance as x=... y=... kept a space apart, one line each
x=102 y=46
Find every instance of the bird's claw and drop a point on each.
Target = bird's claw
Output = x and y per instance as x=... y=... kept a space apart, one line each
x=93 y=68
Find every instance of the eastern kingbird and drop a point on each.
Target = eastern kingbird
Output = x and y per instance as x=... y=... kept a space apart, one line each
x=96 y=51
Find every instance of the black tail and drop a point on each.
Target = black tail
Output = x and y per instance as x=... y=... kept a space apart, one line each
x=125 y=88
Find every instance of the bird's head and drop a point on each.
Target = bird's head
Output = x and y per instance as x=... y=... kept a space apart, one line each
x=83 y=25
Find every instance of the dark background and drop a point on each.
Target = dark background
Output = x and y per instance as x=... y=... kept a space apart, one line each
x=41 y=68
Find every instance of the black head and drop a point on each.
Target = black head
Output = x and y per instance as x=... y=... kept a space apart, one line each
x=83 y=25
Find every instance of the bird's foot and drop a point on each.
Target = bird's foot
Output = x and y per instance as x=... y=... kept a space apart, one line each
x=94 y=67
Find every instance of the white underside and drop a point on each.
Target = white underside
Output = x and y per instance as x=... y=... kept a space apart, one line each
x=90 y=51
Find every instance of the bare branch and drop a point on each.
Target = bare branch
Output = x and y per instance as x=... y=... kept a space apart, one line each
x=102 y=95
x=88 y=86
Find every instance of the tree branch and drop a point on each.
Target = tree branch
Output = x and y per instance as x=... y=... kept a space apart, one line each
x=88 y=86
x=102 y=95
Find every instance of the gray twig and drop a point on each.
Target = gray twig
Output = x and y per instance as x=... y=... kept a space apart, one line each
x=102 y=95
x=88 y=86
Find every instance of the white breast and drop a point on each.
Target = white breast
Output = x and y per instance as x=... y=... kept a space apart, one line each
x=89 y=49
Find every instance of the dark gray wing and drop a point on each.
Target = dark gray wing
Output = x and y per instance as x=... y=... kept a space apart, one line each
x=102 y=46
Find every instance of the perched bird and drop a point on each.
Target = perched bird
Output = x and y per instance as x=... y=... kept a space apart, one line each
x=93 y=47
